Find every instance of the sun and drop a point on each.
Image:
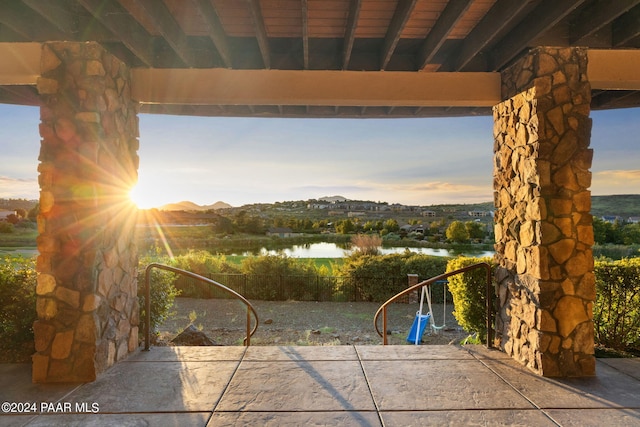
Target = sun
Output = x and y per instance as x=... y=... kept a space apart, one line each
x=141 y=200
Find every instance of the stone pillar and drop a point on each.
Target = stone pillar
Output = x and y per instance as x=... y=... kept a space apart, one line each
x=543 y=225
x=413 y=297
x=87 y=306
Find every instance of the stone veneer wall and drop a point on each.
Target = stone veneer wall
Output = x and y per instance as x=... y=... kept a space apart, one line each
x=543 y=225
x=87 y=307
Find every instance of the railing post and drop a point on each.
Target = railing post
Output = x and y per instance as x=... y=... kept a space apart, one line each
x=384 y=325
x=147 y=308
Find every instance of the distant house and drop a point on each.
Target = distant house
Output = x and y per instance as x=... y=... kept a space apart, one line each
x=634 y=219
x=408 y=228
x=478 y=213
x=317 y=206
x=355 y=214
x=611 y=218
x=280 y=232
x=428 y=213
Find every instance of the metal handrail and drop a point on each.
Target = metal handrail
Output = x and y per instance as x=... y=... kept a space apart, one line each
x=147 y=300
x=428 y=282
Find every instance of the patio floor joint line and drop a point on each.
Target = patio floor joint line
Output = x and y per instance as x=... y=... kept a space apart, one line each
x=366 y=379
x=535 y=405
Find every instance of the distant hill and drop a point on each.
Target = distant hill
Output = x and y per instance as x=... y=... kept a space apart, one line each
x=332 y=199
x=190 y=206
x=623 y=205
x=13 y=204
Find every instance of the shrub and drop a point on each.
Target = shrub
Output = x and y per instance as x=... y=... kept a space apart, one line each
x=6 y=227
x=469 y=295
x=162 y=293
x=379 y=277
x=617 y=307
x=293 y=278
x=18 y=302
x=202 y=263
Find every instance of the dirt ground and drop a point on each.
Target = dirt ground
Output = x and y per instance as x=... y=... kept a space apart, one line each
x=304 y=323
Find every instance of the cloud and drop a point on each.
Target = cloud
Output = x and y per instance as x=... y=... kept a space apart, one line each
x=17 y=188
x=620 y=181
x=620 y=174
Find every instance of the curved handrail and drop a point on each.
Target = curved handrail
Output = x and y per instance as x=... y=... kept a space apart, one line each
x=428 y=282
x=147 y=300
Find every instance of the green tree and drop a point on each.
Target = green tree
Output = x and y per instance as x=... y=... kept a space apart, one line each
x=391 y=225
x=33 y=213
x=345 y=226
x=369 y=226
x=631 y=234
x=6 y=227
x=457 y=232
x=254 y=225
x=222 y=225
x=600 y=230
x=240 y=220
x=475 y=229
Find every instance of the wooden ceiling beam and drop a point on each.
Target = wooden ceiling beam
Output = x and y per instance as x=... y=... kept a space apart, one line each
x=614 y=69
x=28 y=24
x=261 y=32
x=627 y=27
x=216 y=31
x=120 y=22
x=350 y=31
x=447 y=20
x=166 y=25
x=20 y=63
x=305 y=34
x=547 y=14
x=597 y=16
x=59 y=13
x=220 y=86
x=485 y=33
x=20 y=95
x=398 y=22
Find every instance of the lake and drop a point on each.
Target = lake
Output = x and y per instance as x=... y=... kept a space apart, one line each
x=332 y=250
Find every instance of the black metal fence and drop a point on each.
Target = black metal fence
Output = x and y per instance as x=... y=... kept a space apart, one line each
x=296 y=288
x=301 y=287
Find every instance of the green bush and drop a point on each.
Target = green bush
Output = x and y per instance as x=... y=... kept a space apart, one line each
x=278 y=277
x=161 y=290
x=18 y=302
x=469 y=295
x=379 y=277
x=202 y=263
x=6 y=227
x=616 y=313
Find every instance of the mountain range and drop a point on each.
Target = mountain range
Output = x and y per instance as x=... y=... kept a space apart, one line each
x=623 y=204
x=190 y=206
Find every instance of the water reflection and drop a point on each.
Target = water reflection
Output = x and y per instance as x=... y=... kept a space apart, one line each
x=333 y=250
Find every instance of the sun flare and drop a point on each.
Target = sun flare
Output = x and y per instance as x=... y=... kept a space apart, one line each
x=138 y=197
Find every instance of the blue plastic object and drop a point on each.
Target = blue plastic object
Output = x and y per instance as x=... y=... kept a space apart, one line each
x=415 y=334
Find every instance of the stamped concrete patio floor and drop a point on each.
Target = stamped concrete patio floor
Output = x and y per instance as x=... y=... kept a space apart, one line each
x=339 y=385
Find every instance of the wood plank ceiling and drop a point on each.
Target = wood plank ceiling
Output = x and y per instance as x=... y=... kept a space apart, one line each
x=359 y=35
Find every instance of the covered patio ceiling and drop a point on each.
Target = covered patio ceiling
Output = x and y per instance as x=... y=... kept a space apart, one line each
x=324 y=58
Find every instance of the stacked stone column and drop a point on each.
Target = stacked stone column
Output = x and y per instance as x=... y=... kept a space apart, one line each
x=87 y=306
x=543 y=225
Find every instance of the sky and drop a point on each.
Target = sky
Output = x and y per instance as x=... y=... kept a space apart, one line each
x=249 y=160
